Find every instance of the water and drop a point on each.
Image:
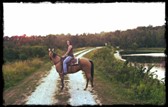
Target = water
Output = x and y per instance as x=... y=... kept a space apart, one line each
x=147 y=54
x=147 y=59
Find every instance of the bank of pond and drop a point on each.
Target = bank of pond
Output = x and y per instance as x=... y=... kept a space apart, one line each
x=134 y=80
x=146 y=59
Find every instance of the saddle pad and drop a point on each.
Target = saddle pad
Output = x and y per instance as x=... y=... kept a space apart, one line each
x=74 y=61
x=77 y=60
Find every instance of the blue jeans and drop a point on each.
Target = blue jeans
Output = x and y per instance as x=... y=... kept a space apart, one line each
x=67 y=59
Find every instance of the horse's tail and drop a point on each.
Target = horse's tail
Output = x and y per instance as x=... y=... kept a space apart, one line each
x=92 y=69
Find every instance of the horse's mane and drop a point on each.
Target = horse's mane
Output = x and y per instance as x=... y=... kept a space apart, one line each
x=54 y=55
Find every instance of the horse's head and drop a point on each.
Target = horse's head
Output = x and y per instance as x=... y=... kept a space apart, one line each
x=51 y=53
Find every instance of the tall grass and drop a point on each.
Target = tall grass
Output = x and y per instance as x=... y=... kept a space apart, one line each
x=140 y=85
x=15 y=72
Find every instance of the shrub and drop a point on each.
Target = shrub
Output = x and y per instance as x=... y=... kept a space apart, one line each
x=22 y=56
x=135 y=78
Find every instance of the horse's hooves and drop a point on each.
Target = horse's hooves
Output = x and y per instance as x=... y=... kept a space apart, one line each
x=84 y=89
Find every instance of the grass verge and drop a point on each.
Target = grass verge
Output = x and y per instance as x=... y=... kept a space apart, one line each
x=80 y=49
x=16 y=92
x=117 y=83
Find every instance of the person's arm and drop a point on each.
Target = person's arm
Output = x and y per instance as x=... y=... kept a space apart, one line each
x=69 y=48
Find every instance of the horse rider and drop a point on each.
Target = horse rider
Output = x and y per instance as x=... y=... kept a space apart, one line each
x=68 y=56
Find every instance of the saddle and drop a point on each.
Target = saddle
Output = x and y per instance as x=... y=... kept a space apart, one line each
x=74 y=61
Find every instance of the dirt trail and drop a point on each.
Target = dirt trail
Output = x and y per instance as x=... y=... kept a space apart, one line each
x=45 y=92
x=43 y=95
x=77 y=84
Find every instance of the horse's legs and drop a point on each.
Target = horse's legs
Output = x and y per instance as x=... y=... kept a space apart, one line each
x=86 y=84
x=88 y=76
x=92 y=82
x=62 y=81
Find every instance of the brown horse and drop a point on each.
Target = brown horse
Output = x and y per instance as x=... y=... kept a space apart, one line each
x=84 y=64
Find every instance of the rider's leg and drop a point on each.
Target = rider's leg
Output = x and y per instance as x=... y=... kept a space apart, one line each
x=67 y=59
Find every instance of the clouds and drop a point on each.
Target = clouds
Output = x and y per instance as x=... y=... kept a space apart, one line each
x=47 y=18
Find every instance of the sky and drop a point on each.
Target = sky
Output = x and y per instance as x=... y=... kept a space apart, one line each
x=78 y=18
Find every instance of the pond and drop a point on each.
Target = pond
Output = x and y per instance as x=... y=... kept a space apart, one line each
x=146 y=59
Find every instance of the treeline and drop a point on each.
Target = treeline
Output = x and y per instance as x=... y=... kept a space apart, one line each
x=23 y=47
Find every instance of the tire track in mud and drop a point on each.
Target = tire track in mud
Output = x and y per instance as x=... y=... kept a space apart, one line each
x=47 y=92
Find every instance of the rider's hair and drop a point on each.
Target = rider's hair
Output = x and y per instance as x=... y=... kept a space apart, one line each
x=70 y=42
